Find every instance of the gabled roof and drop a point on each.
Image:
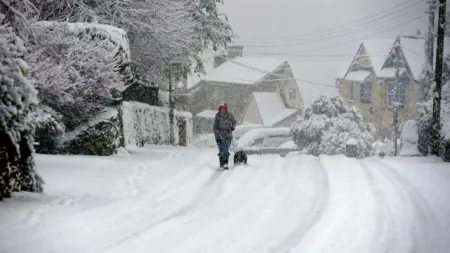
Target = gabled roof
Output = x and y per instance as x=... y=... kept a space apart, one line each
x=243 y=70
x=414 y=54
x=272 y=108
x=377 y=51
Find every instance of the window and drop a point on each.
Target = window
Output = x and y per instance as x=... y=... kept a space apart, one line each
x=361 y=92
x=366 y=93
x=391 y=92
x=355 y=93
x=292 y=93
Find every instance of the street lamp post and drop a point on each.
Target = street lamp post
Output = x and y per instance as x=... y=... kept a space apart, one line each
x=172 y=63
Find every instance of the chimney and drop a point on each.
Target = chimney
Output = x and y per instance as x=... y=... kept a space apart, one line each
x=235 y=51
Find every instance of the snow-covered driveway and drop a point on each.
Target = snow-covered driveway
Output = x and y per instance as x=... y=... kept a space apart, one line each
x=173 y=200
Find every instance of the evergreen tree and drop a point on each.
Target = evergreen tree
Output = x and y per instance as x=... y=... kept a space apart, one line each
x=17 y=97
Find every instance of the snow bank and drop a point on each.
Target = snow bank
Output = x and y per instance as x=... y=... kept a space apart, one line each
x=253 y=135
x=144 y=124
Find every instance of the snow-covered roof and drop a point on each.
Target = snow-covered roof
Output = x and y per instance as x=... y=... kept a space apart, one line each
x=414 y=52
x=207 y=57
x=272 y=108
x=207 y=114
x=115 y=34
x=358 y=76
x=377 y=51
x=314 y=74
x=387 y=73
x=243 y=70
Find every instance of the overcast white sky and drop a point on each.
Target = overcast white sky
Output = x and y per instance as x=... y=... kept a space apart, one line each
x=258 y=23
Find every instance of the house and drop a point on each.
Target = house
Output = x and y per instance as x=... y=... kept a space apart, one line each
x=242 y=82
x=369 y=83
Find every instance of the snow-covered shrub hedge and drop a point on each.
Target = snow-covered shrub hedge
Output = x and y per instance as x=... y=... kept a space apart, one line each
x=145 y=124
x=327 y=125
x=75 y=71
x=102 y=135
x=17 y=97
x=49 y=128
x=409 y=139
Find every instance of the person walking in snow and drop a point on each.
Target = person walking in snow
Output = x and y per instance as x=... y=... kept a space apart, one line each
x=224 y=125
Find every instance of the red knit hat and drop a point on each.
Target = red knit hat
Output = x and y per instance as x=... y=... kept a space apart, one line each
x=224 y=106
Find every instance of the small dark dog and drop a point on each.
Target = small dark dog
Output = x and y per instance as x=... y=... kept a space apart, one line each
x=240 y=157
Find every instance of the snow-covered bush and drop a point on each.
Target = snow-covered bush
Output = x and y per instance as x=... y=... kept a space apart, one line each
x=76 y=74
x=102 y=135
x=327 y=125
x=144 y=124
x=17 y=97
x=159 y=30
x=409 y=139
x=49 y=128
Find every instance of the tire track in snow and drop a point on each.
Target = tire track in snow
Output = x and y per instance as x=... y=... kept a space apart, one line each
x=425 y=235
x=315 y=211
x=131 y=214
x=200 y=196
x=382 y=238
x=346 y=211
x=214 y=219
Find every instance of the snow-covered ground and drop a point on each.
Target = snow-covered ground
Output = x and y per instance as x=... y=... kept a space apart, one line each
x=166 y=200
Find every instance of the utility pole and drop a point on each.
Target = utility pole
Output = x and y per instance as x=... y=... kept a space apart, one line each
x=436 y=121
x=171 y=118
x=397 y=92
x=431 y=31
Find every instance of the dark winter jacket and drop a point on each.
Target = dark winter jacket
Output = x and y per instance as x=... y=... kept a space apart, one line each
x=224 y=125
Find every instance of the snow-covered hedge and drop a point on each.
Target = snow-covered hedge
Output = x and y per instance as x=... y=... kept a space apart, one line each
x=17 y=97
x=409 y=139
x=328 y=124
x=78 y=69
x=49 y=128
x=146 y=124
x=102 y=135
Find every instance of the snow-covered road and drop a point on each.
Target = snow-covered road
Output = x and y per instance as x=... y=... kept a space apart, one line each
x=174 y=200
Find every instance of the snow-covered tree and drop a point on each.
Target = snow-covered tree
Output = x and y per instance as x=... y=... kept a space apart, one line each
x=17 y=97
x=328 y=124
x=425 y=111
x=159 y=30
x=76 y=74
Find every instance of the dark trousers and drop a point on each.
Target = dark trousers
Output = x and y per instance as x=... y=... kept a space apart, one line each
x=224 y=153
